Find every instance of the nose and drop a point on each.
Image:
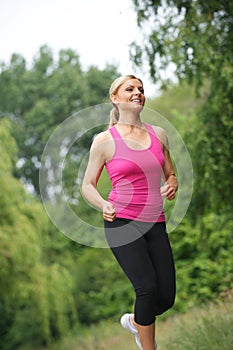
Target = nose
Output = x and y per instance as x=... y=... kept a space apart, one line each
x=137 y=91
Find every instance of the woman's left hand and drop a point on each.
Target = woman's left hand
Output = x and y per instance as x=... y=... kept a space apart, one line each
x=168 y=191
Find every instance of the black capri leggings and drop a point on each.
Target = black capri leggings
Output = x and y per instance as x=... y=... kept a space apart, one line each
x=148 y=263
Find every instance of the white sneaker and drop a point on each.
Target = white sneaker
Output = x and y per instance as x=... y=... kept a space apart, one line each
x=126 y=322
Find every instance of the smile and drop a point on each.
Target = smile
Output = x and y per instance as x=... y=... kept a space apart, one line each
x=136 y=100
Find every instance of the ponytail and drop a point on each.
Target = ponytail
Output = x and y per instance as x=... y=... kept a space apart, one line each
x=114 y=116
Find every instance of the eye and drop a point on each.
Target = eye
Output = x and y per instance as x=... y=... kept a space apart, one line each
x=131 y=89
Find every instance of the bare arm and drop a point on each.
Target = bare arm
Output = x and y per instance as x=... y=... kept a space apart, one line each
x=171 y=185
x=94 y=169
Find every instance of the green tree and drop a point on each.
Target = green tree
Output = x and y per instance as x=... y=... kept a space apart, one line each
x=196 y=37
x=39 y=98
x=36 y=294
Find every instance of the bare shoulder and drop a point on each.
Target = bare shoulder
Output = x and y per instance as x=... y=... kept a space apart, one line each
x=162 y=136
x=103 y=146
x=101 y=138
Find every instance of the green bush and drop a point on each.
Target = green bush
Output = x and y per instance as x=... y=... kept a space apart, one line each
x=102 y=290
x=203 y=256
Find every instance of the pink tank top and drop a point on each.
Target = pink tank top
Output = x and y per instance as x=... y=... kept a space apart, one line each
x=136 y=179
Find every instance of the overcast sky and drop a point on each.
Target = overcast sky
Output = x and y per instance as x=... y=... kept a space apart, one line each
x=100 y=31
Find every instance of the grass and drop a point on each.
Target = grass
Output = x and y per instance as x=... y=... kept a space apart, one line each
x=204 y=328
x=107 y=335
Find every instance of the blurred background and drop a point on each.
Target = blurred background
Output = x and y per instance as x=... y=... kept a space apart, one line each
x=58 y=58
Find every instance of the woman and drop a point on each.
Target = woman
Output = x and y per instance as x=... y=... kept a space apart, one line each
x=136 y=157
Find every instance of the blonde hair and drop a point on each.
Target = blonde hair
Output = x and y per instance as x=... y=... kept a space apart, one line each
x=117 y=83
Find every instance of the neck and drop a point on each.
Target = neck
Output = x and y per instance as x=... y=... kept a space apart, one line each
x=132 y=119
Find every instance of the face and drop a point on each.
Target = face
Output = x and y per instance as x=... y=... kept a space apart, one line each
x=130 y=94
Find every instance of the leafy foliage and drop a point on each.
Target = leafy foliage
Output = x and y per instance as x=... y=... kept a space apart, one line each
x=100 y=281
x=39 y=98
x=196 y=37
x=50 y=284
x=202 y=254
x=36 y=298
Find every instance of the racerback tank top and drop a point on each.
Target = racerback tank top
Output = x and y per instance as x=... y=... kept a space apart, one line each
x=136 y=179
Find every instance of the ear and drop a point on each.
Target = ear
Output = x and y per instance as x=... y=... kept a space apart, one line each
x=113 y=98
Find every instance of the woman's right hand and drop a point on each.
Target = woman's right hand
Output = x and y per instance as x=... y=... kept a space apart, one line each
x=109 y=212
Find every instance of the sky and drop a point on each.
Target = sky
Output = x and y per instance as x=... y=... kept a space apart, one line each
x=100 y=31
